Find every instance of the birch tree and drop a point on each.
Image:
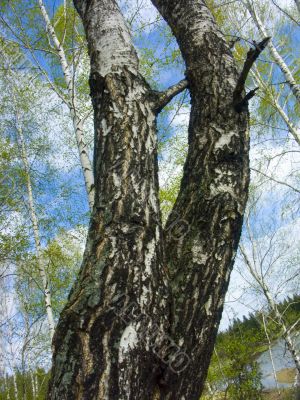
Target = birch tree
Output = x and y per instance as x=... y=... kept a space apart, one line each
x=15 y=31
x=142 y=317
x=72 y=104
x=36 y=231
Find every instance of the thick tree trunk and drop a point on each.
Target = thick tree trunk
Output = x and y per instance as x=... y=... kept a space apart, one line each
x=213 y=192
x=121 y=336
x=98 y=353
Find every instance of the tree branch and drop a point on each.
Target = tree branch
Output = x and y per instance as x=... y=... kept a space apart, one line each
x=165 y=97
x=252 y=56
x=275 y=180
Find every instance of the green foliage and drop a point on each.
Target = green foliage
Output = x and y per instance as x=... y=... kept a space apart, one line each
x=234 y=371
x=233 y=367
x=216 y=12
x=13 y=239
x=168 y=195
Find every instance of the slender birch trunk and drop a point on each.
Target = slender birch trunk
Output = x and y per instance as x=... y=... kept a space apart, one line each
x=142 y=317
x=7 y=387
x=15 y=386
x=295 y=132
x=270 y=353
x=32 y=381
x=297 y=2
x=295 y=88
x=35 y=227
x=77 y=122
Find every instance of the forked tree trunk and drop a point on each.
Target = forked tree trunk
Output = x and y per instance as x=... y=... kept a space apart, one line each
x=141 y=320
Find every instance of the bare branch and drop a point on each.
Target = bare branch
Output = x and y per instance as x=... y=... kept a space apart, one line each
x=286 y=13
x=275 y=180
x=252 y=56
x=165 y=97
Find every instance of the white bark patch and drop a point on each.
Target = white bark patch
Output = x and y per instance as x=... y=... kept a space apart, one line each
x=116 y=180
x=116 y=111
x=135 y=131
x=208 y=305
x=105 y=129
x=128 y=341
x=149 y=255
x=114 y=247
x=217 y=186
x=114 y=47
x=157 y=234
x=150 y=116
x=149 y=144
x=153 y=199
x=145 y=295
x=225 y=140
x=104 y=382
x=135 y=94
x=199 y=256
x=223 y=189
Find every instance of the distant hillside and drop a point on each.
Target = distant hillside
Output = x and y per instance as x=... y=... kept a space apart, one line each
x=237 y=371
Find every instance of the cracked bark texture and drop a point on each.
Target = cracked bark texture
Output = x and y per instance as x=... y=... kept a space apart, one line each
x=97 y=354
x=213 y=191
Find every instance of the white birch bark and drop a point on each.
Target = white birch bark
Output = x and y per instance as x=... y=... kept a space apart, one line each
x=35 y=226
x=16 y=393
x=77 y=122
x=292 y=128
x=33 y=385
x=270 y=353
x=7 y=387
x=295 y=88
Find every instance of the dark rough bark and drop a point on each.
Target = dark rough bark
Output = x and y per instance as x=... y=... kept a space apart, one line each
x=115 y=336
x=98 y=354
x=213 y=191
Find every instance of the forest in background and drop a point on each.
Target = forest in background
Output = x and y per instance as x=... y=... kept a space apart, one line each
x=46 y=149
